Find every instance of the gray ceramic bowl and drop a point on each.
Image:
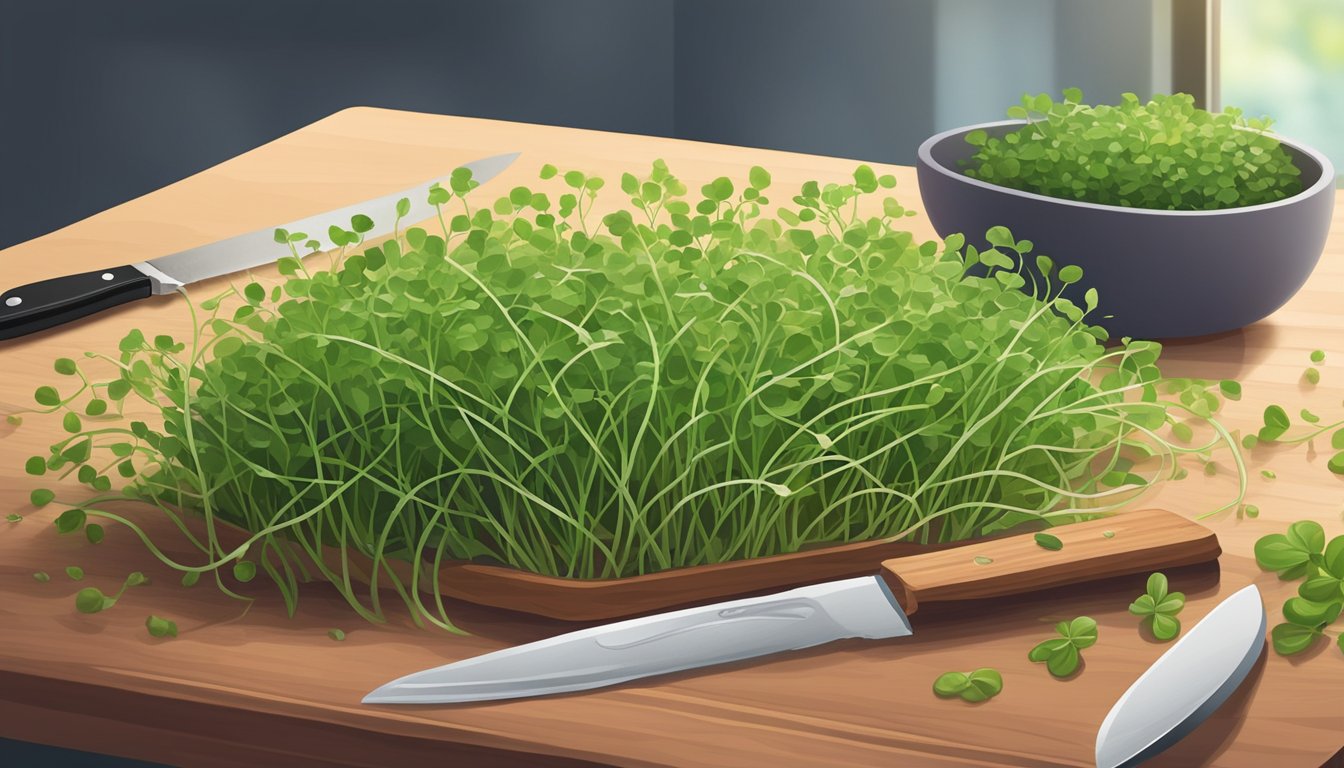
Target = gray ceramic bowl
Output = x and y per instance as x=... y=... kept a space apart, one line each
x=1161 y=274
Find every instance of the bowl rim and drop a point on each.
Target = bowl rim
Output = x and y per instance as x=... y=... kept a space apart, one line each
x=925 y=155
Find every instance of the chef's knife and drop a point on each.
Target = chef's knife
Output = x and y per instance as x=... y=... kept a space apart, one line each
x=41 y=305
x=1187 y=684
x=871 y=607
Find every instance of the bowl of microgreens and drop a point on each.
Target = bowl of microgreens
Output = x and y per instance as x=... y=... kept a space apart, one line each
x=1187 y=222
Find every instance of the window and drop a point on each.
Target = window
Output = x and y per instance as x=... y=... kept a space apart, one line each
x=1285 y=59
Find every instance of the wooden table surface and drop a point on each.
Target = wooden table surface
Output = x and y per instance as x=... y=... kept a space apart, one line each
x=270 y=690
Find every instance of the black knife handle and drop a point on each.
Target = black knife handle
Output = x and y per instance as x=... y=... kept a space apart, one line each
x=41 y=305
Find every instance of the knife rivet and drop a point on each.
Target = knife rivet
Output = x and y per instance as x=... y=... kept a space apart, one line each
x=108 y=275
x=13 y=301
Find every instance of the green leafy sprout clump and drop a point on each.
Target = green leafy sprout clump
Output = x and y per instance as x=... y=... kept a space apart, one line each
x=684 y=380
x=976 y=686
x=1165 y=154
x=1159 y=607
x=1302 y=553
x=1062 y=654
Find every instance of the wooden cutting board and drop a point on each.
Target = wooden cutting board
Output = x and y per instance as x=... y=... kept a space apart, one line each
x=261 y=688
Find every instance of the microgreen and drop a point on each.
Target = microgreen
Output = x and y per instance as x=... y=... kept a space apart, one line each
x=92 y=599
x=1158 y=608
x=1048 y=541
x=42 y=577
x=1318 y=356
x=1277 y=424
x=685 y=380
x=336 y=634
x=74 y=572
x=980 y=685
x=160 y=627
x=1164 y=153
x=1061 y=654
x=14 y=517
x=1312 y=376
x=1302 y=553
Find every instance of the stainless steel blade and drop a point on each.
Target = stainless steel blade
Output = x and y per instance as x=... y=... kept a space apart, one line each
x=168 y=273
x=654 y=645
x=1187 y=684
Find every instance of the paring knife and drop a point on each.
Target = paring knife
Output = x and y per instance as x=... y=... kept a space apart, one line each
x=1187 y=684
x=41 y=305
x=871 y=607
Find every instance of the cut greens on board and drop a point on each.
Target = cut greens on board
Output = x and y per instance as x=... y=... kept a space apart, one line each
x=690 y=379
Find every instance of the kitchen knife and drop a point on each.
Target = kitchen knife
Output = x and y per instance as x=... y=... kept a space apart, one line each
x=1187 y=684
x=41 y=305
x=870 y=607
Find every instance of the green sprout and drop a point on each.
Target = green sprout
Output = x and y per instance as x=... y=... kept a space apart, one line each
x=1302 y=553
x=980 y=685
x=1158 y=608
x=691 y=378
x=1165 y=154
x=1061 y=654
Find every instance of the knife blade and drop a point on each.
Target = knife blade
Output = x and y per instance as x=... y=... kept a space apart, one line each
x=869 y=607
x=1186 y=684
x=47 y=303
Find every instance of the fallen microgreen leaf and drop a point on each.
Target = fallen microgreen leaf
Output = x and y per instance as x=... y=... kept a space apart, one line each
x=160 y=627
x=977 y=686
x=1061 y=654
x=41 y=576
x=74 y=572
x=1048 y=541
x=1158 y=608
x=336 y=634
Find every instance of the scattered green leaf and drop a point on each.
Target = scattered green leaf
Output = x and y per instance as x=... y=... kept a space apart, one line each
x=1048 y=541
x=1061 y=654
x=980 y=685
x=160 y=627
x=1158 y=608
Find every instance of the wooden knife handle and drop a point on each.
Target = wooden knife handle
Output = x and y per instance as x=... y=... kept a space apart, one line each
x=1142 y=540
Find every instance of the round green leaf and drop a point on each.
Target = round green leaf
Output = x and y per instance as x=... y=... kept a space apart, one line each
x=950 y=684
x=46 y=396
x=245 y=570
x=982 y=684
x=65 y=366
x=1165 y=627
x=1289 y=639
x=36 y=466
x=160 y=627
x=1063 y=661
x=92 y=600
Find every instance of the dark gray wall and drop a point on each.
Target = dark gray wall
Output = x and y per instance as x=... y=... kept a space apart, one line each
x=851 y=78
x=104 y=101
